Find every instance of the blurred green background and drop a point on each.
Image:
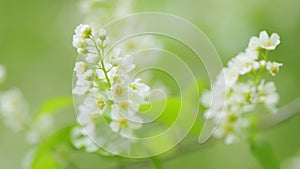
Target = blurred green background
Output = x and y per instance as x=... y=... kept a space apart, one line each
x=35 y=43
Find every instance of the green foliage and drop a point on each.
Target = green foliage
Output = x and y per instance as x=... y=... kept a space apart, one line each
x=46 y=156
x=54 y=105
x=264 y=153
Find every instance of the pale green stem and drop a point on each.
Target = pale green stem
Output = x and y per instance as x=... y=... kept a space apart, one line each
x=284 y=113
x=102 y=59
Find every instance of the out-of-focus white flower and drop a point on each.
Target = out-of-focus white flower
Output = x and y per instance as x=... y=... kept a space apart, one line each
x=116 y=57
x=102 y=34
x=273 y=67
x=268 y=95
x=230 y=128
x=268 y=43
x=231 y=76
x=2 y=73
x=80 y=141
x=206 y=98
x=14 y=109
x=39 y=128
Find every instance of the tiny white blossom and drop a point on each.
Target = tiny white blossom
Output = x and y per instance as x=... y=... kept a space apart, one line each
x=14 y=109
x=273 y=67
x=80 y=141
x=102 y=34
x=231 y=76
x=79 y=42
x=254 y=43
x=39 y=128
x=82 y=87
x=91 y=58
x=262 y=63
x=268 y=43
x=123 y=125
x=80 y=67
x=138 y=91
x=268 y=95
x=116 y=57
x=206 y=98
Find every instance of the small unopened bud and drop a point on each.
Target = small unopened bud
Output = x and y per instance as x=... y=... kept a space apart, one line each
x=82 y=51
x=86 y=29
x=102 y=34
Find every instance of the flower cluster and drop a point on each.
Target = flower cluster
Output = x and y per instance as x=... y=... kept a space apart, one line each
x=101 y=11
x=15 y=114
x=244 y=88
x=103 y=81
x=13 y=109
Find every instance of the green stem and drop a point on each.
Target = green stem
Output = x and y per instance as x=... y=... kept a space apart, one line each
x=102 y=59
x=266 y=55
x=284 y=113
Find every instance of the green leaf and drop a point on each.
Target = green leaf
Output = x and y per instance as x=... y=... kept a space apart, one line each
x=156 y=163
x=44 y=157
x=263 y=152
x=54 y=105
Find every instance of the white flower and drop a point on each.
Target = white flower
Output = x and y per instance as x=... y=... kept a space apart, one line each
x=102 y=34
x=268 y=43
x=273 y=67
x=83 y=29
x=81 y=141
x=116 y=57
x=268 y=95
x=92 y=58
x=138 y=91
x=206 y=98
x=13 y=109
x=126 y=66
x=79 y=42
x=118 y=92
x=230 y=128
x=254 y=44
x=80 y=68
x=82 y=87
x=242 y=63
x=89 y=75
x=122 y=125
x=88 y=113
x=82 y=51
x=231 y=76
x=255 y=66
x=127 y=107
x=39 y=128
x=2 y=73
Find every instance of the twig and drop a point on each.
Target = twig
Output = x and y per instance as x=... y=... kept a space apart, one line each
x=283 y=114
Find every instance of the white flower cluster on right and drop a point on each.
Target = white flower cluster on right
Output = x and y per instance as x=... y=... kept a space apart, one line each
x=241 y=87
x=104 y=83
